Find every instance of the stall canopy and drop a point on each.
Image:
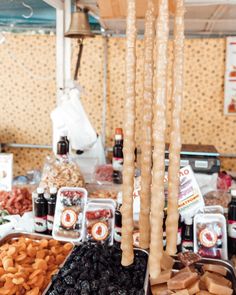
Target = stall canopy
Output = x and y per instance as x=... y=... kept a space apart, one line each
x=30 y=14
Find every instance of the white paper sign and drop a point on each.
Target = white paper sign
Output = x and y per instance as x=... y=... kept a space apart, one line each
x=230 y=77
x=6 y=171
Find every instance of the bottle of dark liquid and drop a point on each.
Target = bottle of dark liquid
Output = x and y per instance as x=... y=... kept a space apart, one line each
x=118 y=222
x=117 y=160
x=62 y=146
x=179 y=235
x=40 y=212
x=232 y=225
x=51 y=209
x=187 y=237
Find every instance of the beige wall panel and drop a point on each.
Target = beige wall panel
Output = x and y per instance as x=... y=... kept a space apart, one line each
x=27 y=92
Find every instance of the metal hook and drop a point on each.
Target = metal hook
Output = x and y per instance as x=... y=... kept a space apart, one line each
x=30 y=8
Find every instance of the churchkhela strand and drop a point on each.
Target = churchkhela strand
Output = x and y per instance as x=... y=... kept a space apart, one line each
x=146 y=155
x=129 y=138
x=175 y=136
x=158 y=133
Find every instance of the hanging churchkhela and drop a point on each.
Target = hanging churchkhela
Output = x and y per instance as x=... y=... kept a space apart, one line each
x=175 y=136
x=158 y=133
x=129 y=139
x=154 y=119
x=146 y=155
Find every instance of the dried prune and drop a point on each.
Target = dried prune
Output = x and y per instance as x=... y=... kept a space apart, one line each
x=94 y=285
x=70 y=291
x=69 y=280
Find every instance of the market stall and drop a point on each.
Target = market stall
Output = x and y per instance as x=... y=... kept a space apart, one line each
x=114 y=209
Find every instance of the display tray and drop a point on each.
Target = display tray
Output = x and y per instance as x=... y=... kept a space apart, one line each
x=231 y=273
x=147 y=288
x=33 y=236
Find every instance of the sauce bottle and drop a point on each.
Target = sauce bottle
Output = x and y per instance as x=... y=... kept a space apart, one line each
x=118 y=221
x=117 y=160
x=232 y=224
x=51 y=208
x=40 y=212
x=187 y=237
x=62 y=146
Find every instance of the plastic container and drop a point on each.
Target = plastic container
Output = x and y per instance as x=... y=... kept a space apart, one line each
x=69 y=214
x=104 y=191
x=210 y=236
x=99 y=221
x=213 y=209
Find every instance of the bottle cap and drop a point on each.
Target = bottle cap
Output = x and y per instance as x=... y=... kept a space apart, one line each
x=53 y=190
x=119 y=131
x=63 y=133
x=233 y=193
x=40 y=190
x=188 y=220
x=119 y=198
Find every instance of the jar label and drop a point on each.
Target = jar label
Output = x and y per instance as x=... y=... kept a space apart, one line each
x=117 y=234
x=69 y=218
x=117 y=164
x=100 y=231
x=232 y=229
x=50 y=220
x=208 y=238
x=40 y=224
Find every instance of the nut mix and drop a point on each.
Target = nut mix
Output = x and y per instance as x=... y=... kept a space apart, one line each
x=61 y=173
x=26 y=265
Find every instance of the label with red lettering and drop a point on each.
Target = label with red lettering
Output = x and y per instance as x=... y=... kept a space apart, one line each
x=100 y=231
x=232 y=229
x=68 y=218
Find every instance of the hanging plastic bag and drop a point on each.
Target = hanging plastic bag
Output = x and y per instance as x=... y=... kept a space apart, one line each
x=71 y=116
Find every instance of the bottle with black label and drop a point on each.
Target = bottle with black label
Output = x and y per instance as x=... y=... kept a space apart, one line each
x=187 y=237
x=40 y=212
x=232 y=224
x=117 y=159
x=118 y=221
x=51 y=209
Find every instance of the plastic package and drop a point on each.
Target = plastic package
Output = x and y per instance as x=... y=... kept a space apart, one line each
x=210 y=236
x=61 y=172
x=213 y=209
x=105 y=191
x=17 y=201
x=103 y=173
x=99 y=222
x=219 y=197
x=69 y=214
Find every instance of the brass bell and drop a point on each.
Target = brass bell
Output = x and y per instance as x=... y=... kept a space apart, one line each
x=79 y=26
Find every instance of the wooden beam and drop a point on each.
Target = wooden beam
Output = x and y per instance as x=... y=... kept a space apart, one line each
x=116 y=9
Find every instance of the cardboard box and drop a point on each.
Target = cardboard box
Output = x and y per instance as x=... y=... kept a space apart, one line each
x=116 y=9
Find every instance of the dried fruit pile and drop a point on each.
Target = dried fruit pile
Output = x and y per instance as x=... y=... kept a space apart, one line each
x=18 y=201
x=26 y=265
x=96 y=270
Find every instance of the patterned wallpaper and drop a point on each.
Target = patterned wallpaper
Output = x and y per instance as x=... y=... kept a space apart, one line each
x=27 y=92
